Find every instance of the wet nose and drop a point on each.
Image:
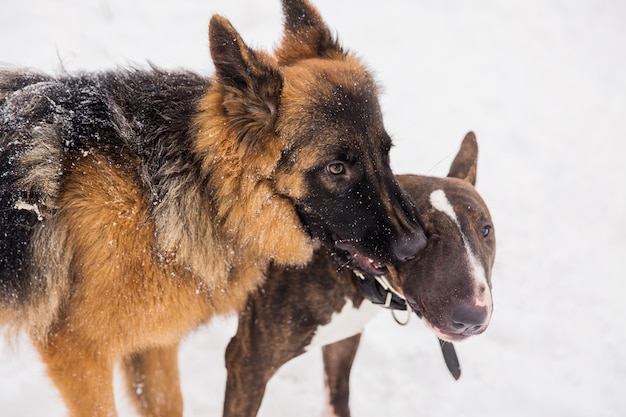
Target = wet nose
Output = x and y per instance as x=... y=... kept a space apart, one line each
x=409 y=245
x=469 y=317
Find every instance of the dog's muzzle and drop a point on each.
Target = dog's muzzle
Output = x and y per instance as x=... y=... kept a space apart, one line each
x=379 y=291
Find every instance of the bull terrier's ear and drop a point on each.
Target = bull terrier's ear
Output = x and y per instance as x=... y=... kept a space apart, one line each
x=306 y=35
x=466 y=160
x=250 y=80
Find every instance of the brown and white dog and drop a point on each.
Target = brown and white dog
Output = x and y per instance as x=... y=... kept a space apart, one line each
x=448 y=285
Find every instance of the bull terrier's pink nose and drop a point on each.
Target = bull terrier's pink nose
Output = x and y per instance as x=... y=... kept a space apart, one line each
x=409 y=245
x=469 y=318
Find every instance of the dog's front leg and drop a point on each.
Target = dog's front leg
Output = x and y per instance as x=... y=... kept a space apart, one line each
x=153 y=382
x=338 y=358
x=83 y=377
x=249 y=370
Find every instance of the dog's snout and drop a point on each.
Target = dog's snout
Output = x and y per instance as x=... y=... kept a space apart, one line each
x=409 y=245
x=469 y=318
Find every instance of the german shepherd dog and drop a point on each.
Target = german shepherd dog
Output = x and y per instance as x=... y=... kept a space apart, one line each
x=137 y=204
x=448 y=285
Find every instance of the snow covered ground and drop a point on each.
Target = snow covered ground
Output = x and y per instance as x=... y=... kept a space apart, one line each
x=542 y=83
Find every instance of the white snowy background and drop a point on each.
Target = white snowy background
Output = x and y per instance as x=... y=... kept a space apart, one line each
x=542 y=83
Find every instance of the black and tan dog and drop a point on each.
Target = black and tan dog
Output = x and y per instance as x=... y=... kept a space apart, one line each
x=448 y=285
x=137 y=204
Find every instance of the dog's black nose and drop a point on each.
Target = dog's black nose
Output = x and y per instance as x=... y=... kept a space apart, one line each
x=409 y=245
x=469 y=318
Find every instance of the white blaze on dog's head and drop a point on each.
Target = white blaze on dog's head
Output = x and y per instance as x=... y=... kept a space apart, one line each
x=482 y=291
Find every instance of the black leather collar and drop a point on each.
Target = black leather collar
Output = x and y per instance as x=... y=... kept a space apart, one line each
x=378 y=290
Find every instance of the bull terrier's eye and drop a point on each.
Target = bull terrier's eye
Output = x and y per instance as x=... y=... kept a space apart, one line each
x=336 y=168
x=486 y=230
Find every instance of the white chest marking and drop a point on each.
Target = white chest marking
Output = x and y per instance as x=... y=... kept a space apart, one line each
x=439 y=201
x=348 y=322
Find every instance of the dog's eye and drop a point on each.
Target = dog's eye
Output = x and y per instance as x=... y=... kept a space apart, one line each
x=486 y=230
x=336 y=168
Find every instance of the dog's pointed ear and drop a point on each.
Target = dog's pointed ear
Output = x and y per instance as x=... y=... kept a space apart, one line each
x=237 y=65
x=306 y=35
x=250 y=81
x=466 y=160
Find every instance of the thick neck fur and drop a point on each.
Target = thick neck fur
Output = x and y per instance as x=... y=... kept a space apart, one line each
x=254 y=223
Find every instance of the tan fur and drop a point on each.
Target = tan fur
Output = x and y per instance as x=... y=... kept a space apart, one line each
x=161 y=365
x=124 y=297
x=248 y=197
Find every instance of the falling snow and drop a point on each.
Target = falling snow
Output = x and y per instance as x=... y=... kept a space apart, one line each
x=541 y=83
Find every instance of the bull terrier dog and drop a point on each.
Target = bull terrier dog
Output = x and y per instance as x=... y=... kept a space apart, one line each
x=447 y=285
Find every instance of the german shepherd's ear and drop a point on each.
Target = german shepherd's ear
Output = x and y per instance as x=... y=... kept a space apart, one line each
x=306 y=35
x=251 y=84
x=466 y=160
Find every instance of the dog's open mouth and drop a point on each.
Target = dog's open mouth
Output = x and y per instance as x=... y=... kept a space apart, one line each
x=361 y=262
